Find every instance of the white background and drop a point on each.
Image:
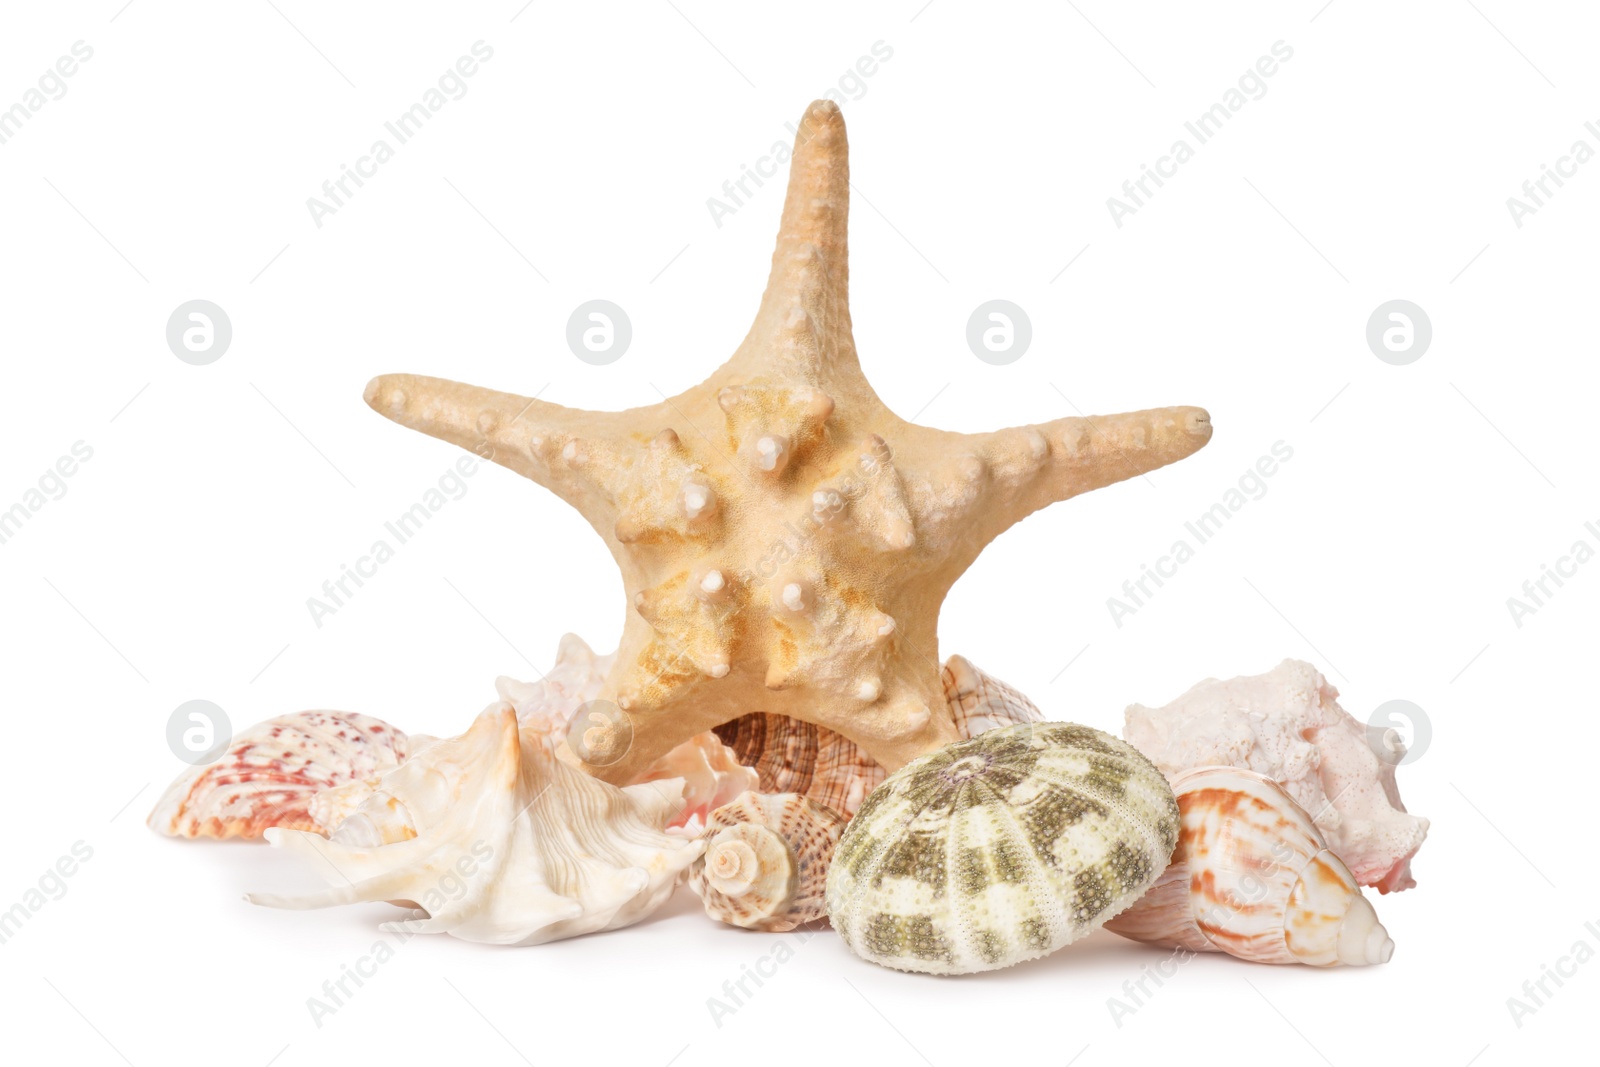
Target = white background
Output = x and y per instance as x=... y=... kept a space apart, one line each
x=178 y=563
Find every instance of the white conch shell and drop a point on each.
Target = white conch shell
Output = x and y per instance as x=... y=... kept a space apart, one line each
x=766 y=861
x=1000 y=849
x=271 y=774
x=511 y=845
x=576 y=679
x=1252 y=877
x=711 y=777
x=1287 y=725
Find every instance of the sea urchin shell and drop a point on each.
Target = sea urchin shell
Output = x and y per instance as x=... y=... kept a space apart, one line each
x=1000 y=849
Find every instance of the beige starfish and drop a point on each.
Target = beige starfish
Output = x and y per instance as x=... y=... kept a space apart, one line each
x=785 y=539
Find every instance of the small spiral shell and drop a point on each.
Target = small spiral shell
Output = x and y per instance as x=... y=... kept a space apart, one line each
x=766 y=861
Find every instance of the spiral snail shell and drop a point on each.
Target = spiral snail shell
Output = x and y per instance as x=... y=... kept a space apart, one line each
x=1252 y=877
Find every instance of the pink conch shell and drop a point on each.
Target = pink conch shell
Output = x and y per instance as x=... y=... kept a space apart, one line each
x=1252 y=877
x=270 y=773
x=1287 y=725
x=766 y=861
x=711 y=775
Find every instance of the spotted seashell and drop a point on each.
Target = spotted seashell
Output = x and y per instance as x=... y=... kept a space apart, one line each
x=1000 y=849
x=1253 y=877
x=270 y=773
x=766 y=861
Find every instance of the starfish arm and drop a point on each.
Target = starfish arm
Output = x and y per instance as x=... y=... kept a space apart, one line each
x=572 y=453
x=989 y=482
x=1085 y=453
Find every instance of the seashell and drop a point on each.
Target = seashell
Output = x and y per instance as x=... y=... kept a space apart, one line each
x=766 y=861
x=981 y=702
x=270 y=774
x=711 y=777
x=1000 y=849
x=577 y=678
x=711 y=772
x=791 y=756
x=1252 y=877
x=1288 y=725
x=507 y=844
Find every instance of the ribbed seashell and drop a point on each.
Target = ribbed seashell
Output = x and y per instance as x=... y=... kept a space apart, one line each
x=711 y=777
x=1000 y=849
x=766 y=861
x=1252 y=877
x=791 y=756
x=511 y=845
x=981 y=702
x=270 y=774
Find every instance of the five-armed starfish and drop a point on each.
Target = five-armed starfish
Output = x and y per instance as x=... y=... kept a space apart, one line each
x=785 y=539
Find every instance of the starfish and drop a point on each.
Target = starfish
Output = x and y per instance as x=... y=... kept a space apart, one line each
x=785 y=539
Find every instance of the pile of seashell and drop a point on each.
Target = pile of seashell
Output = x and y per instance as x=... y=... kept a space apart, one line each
x=1022 y=838
x=772 y=728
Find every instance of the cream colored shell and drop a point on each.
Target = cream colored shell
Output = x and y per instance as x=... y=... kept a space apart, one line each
x=1252 y=877
x=491 y=838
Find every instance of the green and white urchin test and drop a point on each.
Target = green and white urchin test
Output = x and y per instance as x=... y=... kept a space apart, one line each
x=1000 y=849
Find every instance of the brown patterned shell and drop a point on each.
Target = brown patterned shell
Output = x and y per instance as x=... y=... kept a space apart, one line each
x=270 y=772
x=766 y=861
x=791 y=756
x=980 y=702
